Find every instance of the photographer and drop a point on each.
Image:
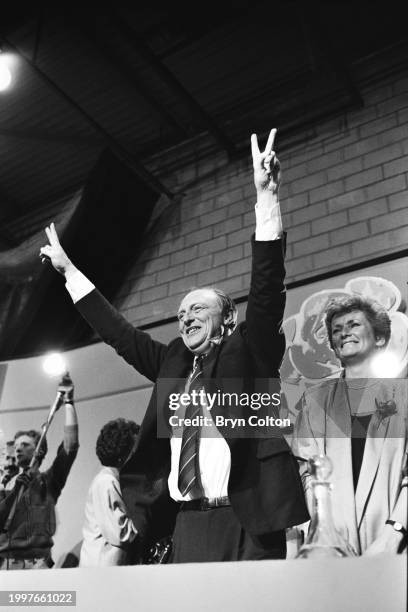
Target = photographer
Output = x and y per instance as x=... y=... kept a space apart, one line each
x=27 y=504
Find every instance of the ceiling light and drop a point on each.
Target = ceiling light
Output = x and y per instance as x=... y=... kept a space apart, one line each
x=54 y=364
x=386 y=365
x=5 y=74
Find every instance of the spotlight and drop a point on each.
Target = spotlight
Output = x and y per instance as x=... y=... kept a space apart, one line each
x=5 y=74
x=54 y=364
x=386 y=365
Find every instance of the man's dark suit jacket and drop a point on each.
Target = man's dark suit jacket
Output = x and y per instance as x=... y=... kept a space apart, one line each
x=264 y=486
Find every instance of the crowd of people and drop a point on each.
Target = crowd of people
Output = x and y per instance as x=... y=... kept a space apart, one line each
x=224 y=496
x=28 y=497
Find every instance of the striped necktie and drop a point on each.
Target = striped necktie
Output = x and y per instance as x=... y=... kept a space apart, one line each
x=189 y=467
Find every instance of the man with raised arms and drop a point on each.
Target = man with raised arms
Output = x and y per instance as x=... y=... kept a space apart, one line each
x=226 y=498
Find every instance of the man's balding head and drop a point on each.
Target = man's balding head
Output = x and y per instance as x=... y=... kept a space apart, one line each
x=205 y=315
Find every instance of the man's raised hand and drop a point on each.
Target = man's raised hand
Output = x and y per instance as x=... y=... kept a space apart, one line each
x=54 y=252
x=267 y=173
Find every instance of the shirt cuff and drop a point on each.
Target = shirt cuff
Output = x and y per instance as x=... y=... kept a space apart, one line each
x=78 y=286
x=268 y=223
x=128 y=531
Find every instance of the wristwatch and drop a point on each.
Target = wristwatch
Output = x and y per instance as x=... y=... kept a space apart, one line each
x=398 y=527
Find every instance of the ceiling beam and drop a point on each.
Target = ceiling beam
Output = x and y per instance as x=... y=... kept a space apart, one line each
x=129 y=159
x=179 y=20
x=38 y=32
x=168 y=78
x=314 y=26
x=7 y=240
x=8 y=208
x=110 y=53
x=63 y=138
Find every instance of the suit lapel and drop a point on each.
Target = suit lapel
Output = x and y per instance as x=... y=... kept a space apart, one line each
x=172 y=379
x=376 y=434
x=210 y=362
x=338 y=448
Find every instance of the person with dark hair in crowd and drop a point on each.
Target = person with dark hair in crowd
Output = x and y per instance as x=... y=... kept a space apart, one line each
x=27 y=504
x=9 y=468
x=230 y=497
x=108 y=531
x=360 y=421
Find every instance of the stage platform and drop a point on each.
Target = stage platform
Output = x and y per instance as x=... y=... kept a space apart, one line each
x=376 y=584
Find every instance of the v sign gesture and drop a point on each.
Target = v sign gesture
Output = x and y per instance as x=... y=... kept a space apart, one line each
x=54 y=252
x=267 y=177
x=266 y=165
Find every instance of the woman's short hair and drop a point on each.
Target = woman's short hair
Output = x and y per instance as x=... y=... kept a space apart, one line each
x=115 y=441
x=35 y=435
x=376 y=315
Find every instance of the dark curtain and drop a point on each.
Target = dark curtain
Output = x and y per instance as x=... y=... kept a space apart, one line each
x=100 y=228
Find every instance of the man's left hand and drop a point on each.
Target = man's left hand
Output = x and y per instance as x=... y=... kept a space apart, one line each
x=267 y=174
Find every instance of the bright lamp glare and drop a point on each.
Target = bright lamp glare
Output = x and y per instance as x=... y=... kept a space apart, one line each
x=386 y=365
x=5 y=74
x=54 y=364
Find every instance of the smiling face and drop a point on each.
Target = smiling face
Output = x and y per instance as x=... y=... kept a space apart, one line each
x=24 y=448
x=200 y=319
x=353 y=337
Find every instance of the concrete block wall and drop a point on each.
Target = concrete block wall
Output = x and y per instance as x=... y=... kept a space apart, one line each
x=344 y=199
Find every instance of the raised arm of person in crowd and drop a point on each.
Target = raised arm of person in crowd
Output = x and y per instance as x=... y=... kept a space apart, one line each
x=58 y=473
x=71 y=420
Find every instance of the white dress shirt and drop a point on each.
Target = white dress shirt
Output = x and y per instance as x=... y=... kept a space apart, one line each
x=107 y=528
